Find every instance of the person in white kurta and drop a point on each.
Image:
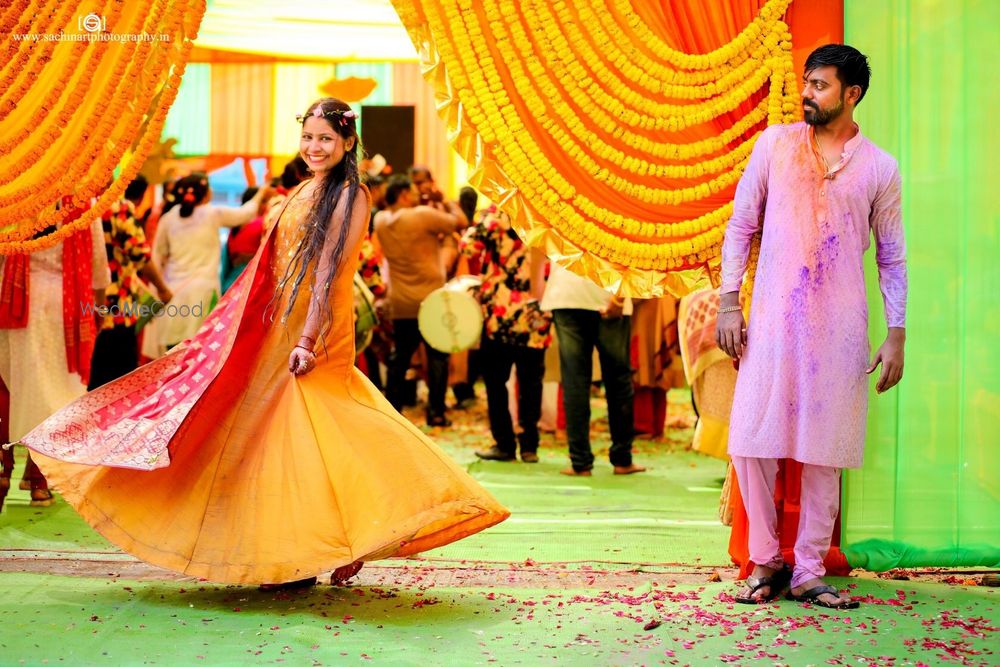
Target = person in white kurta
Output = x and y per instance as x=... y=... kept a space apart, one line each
x=189 y=250
x=33 y=362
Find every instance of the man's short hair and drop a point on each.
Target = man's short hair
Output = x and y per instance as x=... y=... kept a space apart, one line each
x=419 y=169
x=468 y=199
x=249 y=194
x=398 y=184
x=294 y=173
x=852 y=65
x=136 y=190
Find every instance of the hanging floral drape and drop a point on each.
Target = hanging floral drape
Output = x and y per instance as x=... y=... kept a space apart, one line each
x=84 y=88
x=612 y=149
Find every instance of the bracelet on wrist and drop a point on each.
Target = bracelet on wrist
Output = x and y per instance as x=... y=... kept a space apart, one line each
x=307 y=349
x=730 y=309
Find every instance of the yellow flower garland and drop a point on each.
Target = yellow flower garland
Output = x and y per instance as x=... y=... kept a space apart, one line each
x=553 y=19
x=563 y=114
x=651 y=115
x=114 y=97
x=527 y=84
x=585 y=29
x=643 y=69
x=548 y=202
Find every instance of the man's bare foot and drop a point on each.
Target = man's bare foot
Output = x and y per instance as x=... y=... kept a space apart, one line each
x=576 y=473
x=762 y=593
x=830 y=599
x=629 y=469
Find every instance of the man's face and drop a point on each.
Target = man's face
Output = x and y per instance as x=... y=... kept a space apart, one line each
x=422 y=182
x=407 y=198
x=822 y=95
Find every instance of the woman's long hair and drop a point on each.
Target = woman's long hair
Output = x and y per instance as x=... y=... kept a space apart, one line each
x=342 y=178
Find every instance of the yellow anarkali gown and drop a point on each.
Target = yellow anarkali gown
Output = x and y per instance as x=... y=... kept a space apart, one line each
x=216 y=462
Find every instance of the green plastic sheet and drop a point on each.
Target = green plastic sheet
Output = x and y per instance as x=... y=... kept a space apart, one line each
x=929 y=491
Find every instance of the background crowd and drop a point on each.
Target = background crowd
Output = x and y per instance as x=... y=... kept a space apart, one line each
x=546 y=343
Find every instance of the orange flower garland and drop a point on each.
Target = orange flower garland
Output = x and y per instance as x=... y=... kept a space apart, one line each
x=117 y=95
x=47 y=14
x=69 y=138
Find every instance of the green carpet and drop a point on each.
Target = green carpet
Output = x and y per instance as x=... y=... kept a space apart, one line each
x=573 y=577
x=76 y=621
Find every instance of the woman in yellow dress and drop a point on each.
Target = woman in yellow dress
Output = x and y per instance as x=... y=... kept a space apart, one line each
x=255 y=451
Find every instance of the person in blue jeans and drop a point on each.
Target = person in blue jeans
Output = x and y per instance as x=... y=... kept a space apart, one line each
x=587 y=316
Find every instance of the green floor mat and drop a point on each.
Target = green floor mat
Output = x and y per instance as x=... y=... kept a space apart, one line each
x=76 y=621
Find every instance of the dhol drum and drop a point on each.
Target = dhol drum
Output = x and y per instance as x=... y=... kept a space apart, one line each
x=365 y=317
x=450 y=318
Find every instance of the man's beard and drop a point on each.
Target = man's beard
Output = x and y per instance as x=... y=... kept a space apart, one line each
x=821 y=116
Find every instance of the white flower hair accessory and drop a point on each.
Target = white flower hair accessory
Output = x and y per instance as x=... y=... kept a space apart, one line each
x=339 y=116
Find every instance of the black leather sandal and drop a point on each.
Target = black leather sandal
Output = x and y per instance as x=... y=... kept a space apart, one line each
x=777 y=583
x=811 y=596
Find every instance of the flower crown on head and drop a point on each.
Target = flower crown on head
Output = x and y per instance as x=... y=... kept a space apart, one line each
x=338 y=115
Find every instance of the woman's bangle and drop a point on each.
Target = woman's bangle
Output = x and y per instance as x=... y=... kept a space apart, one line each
x=312 y=341
x=307 y=349
x=730 y=309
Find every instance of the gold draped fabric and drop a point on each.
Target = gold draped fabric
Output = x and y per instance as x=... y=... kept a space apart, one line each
x=84 y=88
x=613 y=149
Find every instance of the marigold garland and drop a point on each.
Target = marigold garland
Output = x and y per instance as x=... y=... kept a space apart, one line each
x=12 y=14
x=33 y=153
x=123 y=81
x=575 y=117
x=70 y=137
x=48 y=18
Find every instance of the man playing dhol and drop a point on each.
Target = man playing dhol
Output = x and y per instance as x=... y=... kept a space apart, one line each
x=820 y=189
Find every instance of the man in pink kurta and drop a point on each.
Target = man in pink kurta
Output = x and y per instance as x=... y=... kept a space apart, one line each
x=819 y=191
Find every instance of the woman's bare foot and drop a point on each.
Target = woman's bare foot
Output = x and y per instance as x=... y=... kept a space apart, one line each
x=576 y=473
x=342 y=574
x=629 y=469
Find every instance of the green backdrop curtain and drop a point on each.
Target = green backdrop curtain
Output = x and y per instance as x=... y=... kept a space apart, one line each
x=188 y=119
x=929 y=491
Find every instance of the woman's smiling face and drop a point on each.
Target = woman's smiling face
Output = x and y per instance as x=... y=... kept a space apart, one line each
x=320 y=146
